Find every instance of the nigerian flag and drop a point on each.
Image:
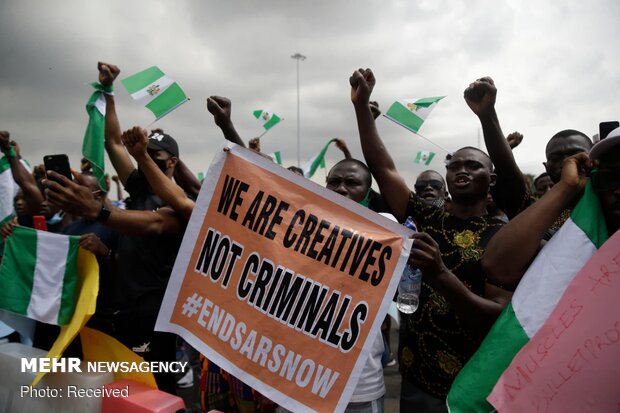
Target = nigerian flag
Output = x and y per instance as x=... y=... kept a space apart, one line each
x=7 y=191
x=317 y=161
x=539 y=291
x=411 y=113
x=268 y=118
x=277 y=157
x=38 y=275
x=160 y=94
x=94 y=137
x=424 y=157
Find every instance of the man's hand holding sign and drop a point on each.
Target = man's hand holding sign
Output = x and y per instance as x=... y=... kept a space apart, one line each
x=283 y=283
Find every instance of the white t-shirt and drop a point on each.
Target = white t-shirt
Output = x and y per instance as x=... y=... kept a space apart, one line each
x=371 y=385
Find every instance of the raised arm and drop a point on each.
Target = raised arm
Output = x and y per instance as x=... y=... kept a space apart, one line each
x=475 y=312
x=392 y=186
x=186 y=179
x=512 y=249
x=220 y=107
x=342 y=145
x=22 y=177
x=510 y=190
x=114 y=147
x=77 y=199
x=136 y=141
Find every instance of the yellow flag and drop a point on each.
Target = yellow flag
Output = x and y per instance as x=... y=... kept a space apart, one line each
x=98 y=346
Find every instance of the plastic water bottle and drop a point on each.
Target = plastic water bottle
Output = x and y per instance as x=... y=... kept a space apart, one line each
x=410 y=283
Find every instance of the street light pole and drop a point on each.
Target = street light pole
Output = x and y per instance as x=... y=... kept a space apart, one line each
x=298 y=57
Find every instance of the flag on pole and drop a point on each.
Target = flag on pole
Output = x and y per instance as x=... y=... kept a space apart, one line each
x=268 y=119
x=94 y=137
x=411 y=113
x=317 y=161
x=424 y=157
x=277 y=156
x=532 y=303
x=38 y=275
x=159 y=93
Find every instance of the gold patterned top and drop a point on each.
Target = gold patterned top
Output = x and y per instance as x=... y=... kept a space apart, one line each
x=433 y=345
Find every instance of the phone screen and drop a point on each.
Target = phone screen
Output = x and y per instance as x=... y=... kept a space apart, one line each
x=58 y=163
x=605 y=127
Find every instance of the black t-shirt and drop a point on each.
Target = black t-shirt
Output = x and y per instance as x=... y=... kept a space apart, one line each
x=433 y=345
x=144 y=263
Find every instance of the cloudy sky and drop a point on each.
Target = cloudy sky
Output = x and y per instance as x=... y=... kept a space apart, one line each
x=555 y=65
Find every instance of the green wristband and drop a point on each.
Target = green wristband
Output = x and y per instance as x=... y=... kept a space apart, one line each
x=109 y=90
x=10 y=152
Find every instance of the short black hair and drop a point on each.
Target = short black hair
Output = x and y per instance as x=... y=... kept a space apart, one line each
x=490 y=166
x=563 y=134
x=296 y=169
x=362 y=165
x=539 y=177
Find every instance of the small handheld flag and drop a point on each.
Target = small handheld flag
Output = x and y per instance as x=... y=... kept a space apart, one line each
x=317 y=161
x=160 y=94
x=424 y=157
x=411 y=113
x=268 y=118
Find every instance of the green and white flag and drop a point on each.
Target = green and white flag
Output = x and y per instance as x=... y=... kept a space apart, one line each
x=8 y=189
x=94 y=137
x=538 y=293
x=424 y=157
x=159 y=93
x=38 y=275
x=411 y=113
x=267 y=118
x=317 y=161
x=277 y=157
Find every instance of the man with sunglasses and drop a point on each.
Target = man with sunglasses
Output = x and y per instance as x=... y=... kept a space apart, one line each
x=431 y=187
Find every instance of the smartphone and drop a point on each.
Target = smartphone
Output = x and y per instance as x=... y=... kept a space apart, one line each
x=38 y=222
x=605 y=127
x=58 y=163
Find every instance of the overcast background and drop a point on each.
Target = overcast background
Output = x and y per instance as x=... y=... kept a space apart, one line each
x=556 y=66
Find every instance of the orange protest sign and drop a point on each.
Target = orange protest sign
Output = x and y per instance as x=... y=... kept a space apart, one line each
x=283 y=283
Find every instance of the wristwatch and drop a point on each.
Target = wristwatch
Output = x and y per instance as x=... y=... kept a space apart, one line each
x=104 y=214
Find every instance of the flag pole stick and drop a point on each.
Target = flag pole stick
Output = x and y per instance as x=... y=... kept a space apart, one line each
x=421 y=136
x=432 y=143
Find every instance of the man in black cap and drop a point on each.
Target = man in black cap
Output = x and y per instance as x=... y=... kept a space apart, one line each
x=164 y=150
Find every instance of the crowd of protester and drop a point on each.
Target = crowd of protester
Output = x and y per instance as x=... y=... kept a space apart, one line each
x=480 y=226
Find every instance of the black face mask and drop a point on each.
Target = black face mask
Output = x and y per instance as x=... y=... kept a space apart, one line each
x=161 y=164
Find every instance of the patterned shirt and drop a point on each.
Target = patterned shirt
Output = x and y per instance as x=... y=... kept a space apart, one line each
x=434 y=345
